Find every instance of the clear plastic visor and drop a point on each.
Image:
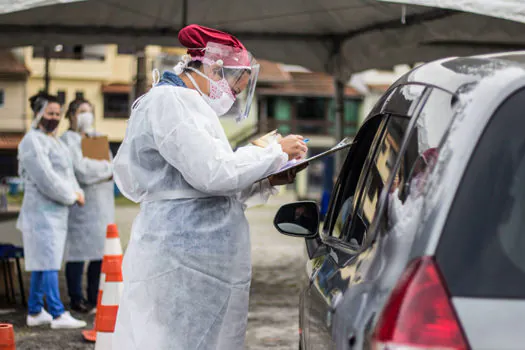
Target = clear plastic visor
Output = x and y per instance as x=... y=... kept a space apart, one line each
x=234 y=72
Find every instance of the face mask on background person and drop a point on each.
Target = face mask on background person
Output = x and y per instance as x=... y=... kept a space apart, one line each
x=85 y=122
x=49 y=125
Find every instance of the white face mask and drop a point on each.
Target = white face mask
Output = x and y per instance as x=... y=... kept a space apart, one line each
x=219 y=100
x=85 y=122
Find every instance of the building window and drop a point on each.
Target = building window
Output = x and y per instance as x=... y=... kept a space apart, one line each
x=2 y=98
x=79 y=95
x=126 y=50
x=311 y=115
x=61 y=96
x=116 y=105
x=72 y=52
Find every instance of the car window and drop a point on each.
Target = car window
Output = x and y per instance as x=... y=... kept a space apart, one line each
x=402 y=208
x=480 y=253
x=344 y=189
x=378 y=174
x=401 y=101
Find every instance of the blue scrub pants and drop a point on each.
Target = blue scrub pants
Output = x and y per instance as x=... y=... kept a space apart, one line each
x=45 y=283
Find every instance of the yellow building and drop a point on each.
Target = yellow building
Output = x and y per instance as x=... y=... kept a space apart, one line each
x=13 y=77
x=102 y=74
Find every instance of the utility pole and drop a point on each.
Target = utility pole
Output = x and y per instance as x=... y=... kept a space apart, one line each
x=47 y=77
x=339 y=99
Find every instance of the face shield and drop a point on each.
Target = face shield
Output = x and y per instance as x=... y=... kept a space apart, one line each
x=232 y=74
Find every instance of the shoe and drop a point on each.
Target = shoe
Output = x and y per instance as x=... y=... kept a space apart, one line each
x=66 y=321
x=37 y=320
x=93 y=311
x=81 y=307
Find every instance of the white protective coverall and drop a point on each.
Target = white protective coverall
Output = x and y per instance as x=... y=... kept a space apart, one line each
x=187 y=268
x=50 y=187
x=87 y=224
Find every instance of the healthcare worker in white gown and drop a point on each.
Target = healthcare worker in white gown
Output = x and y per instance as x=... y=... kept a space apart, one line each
x=50 y=189
x=187 y=268
x=87 y=224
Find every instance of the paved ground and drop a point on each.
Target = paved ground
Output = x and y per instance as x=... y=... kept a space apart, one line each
x=278 y=273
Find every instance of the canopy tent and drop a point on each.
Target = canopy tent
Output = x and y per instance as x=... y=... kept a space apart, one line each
x=339 y=37
x=513 y=10
x=335 y=36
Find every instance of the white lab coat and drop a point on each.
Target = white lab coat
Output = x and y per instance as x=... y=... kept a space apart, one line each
x=87 y=224
x=187 y=269
x=50 y=187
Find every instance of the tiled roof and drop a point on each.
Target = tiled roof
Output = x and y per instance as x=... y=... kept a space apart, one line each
x=10 y=66
x=306 y=84
x=272 y=72
x=116 y=88
x=10 y=141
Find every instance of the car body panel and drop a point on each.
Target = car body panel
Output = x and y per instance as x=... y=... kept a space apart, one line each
x=349 y=286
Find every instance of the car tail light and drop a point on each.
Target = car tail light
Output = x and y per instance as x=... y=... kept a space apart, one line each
x=418 y=314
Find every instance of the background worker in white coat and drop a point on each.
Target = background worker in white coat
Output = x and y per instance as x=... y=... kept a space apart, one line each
x=87 y=224
x=187 y=268
x=50 y=188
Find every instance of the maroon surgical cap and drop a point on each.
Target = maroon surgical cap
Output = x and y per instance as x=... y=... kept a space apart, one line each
x=196 y=38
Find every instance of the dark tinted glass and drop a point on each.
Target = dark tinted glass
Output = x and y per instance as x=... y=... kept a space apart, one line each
x=404 y=100
x=481 y=252
x=344 y=189
x=377 y=177
x=404 y=198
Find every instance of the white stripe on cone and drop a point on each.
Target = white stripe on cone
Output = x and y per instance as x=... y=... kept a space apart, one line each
x=112 y=293
x=104 y=341
x=112 y=246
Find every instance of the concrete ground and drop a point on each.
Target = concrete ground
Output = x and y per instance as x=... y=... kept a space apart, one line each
x=278 y=276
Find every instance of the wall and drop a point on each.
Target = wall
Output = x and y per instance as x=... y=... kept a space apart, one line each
x=12 y=113
x=88 y=76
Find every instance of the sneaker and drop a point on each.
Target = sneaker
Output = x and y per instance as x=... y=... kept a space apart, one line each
x=37 y=320
x=67 y=321
x=93 y=311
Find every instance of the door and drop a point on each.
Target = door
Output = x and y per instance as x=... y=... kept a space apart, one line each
x=326 y=282
x=353 y=208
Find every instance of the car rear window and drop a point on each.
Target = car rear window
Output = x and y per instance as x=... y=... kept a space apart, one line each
x=482 y=249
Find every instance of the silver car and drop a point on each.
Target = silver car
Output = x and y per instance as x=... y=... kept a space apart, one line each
x=423 y=246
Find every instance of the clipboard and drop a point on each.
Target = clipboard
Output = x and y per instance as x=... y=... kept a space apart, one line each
x=96 y=147
x=345 y=143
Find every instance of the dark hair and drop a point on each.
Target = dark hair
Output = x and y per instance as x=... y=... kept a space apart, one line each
x=74 y=105
x=194 y=65
x=38 y=101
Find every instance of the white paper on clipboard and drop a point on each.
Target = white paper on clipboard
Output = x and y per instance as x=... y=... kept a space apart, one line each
x=345 y=143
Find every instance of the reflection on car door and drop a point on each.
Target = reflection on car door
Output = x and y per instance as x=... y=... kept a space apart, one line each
x=325 y=288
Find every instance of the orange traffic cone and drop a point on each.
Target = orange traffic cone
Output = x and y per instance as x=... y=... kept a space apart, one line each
x=107 y=311
x=112 y=248
x=7 y=337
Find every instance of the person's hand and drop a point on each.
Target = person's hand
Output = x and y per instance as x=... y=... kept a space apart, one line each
x=80 y=199
x=294 y=146
x=286 y=177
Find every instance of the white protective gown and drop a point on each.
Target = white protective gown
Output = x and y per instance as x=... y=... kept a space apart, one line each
x=187 y=268
x=87 y=224
x=50 y=187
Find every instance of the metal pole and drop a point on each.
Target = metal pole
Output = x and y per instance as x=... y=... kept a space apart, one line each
x=184 y=13
x=339 y=86
x=339 y=99
x=141 y=80
x=46 y=69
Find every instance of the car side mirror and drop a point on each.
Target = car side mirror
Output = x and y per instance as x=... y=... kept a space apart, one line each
x=299 y=219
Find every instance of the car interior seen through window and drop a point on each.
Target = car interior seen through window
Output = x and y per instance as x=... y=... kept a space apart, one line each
x=403 y=206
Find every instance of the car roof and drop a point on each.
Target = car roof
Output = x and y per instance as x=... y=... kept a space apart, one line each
x=453 y=73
